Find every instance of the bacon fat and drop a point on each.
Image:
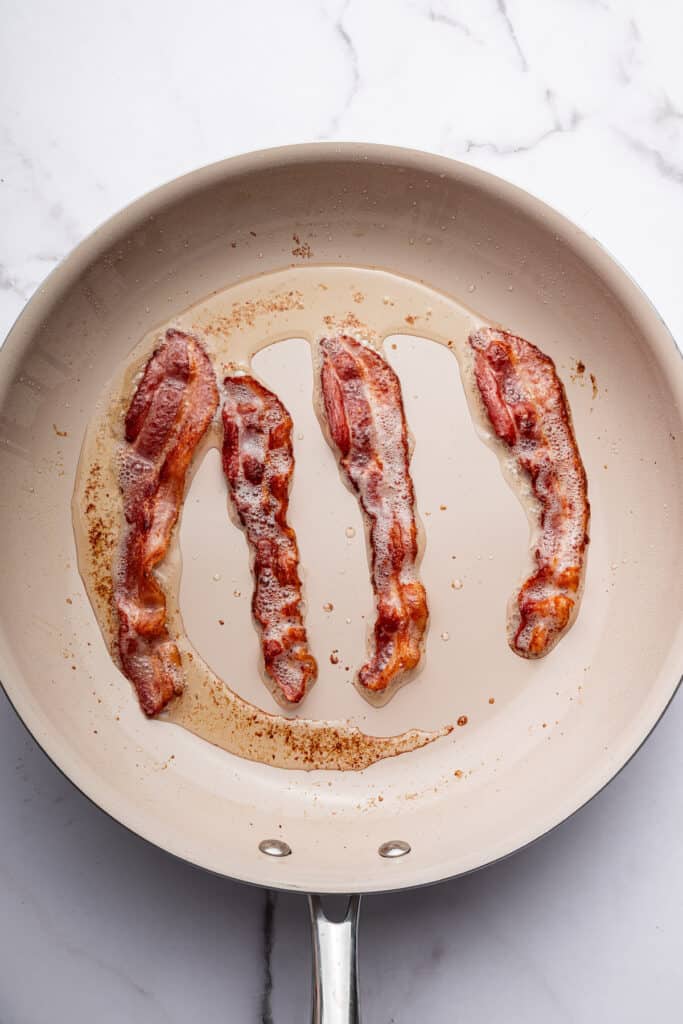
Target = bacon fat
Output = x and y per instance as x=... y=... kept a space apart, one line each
x=363 y=407
x=171 y=409
x=258 y=462
x=527 y=408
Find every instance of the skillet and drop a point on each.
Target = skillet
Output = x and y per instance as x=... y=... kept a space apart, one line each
x=559 y=729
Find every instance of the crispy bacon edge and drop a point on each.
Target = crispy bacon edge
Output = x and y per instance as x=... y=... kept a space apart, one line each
x=363 y=409
x=528 y=411
x=169 y=414
x=258 y=462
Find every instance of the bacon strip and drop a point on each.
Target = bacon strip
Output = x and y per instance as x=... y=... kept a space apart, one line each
x=171 y=409
x=528 y=410
x=364 y=410
x=258 y=461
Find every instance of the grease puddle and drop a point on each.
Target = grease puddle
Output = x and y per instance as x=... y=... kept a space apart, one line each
x=224 y=691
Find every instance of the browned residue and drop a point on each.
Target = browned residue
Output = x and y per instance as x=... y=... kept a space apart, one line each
x=577 y=373
x=101 y=534
x=350 y=324
x=578 y=376
x=463 y=720
x=358 y=297
x=59 y=433
x=291 y=743
x=301 y=249
x=244 y=314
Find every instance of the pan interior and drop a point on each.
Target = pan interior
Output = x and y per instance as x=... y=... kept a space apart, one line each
x=558 y=728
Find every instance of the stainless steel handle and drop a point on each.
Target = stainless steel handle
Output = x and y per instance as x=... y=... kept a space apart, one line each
x=335 y=964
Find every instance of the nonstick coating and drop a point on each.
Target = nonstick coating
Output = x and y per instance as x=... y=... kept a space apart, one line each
x=559 y=729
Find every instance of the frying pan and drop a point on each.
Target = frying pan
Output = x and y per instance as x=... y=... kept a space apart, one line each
x=557 y=731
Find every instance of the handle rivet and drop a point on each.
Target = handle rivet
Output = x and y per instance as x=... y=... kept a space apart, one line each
x=394 y=848
x=274 y=848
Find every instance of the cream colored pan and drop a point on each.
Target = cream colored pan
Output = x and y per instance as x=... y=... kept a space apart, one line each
x=541 y=737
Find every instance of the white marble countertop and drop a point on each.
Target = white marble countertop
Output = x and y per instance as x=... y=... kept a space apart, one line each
x=581 y=102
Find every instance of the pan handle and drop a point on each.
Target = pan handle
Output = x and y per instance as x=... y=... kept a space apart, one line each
x=335 y=964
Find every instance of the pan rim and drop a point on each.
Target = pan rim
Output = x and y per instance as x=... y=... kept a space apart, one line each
x=334 y=891
x=155 y=200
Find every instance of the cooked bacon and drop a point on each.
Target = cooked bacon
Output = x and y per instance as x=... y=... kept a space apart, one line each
x=528 y=410
x=258 y=461
x=170 y=411
x=364 y=410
